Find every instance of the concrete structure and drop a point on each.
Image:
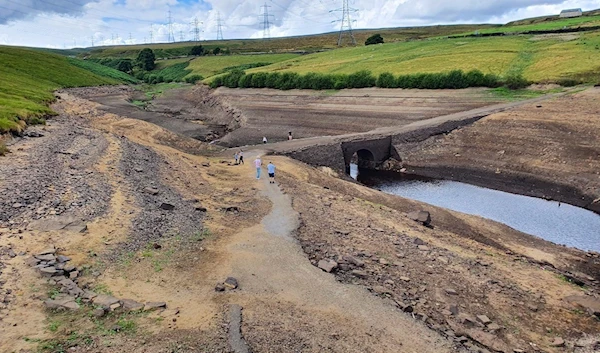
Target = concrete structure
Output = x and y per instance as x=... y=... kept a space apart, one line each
x=571 y=13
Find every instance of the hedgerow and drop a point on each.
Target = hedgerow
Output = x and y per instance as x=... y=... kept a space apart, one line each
x=290 y=80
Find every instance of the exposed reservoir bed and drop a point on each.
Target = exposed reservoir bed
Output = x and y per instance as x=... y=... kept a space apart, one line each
x=557 y=222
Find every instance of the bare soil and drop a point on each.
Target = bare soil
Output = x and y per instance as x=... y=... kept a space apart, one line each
x=273 y=113
x=398 y=286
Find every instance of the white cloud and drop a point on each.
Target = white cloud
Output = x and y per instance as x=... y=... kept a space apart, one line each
x=66 y=22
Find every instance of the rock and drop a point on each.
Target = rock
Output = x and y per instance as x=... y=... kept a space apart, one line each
x=88 y=295
x=105 y=301
x=494 y=327
x=588 y=303
x=454 y=309
x=62 y=258
x=327 y=265
x=49 y=271
x=205 y=164
x=131 y=305
x=405 y=279
x=220 y=287
x=48 y=257
x=418 y=241
x=451 y=291
x=532 y=307
x=487 y=339
x=354 y=261
x=359 y=274
x=446 y=312
x=483 y=319
x=139 y=170
x=200 y=208
x=407 y=308
x=384 y=261
x=154 y=306
x=99 y=312
x=67 y=303
x=423 y=247
x=382 y=290
x=231 y=283
x=76 y=227
x=423 y=217
x=74 y=274
x=47 y=251
x=30 y=133
x=167 y=206
x=558 y=342
x=151 y=191
x=69 y=268
x=114 y=306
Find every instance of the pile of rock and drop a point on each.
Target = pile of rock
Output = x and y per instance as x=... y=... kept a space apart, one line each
x=61 y=273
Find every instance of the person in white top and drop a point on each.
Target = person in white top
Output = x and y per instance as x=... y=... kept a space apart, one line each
x=264 y=139
x=258 y=165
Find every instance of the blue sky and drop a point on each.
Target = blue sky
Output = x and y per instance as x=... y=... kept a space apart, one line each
x=69 y=23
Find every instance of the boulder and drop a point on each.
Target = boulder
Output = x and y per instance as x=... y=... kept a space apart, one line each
x=423 y=217
x=47 y=257
x=327 y=265
x=155 y=306
x=359 y=274
x=167 y=206
x=131 y=305
x=62 y=258
x=484 y=319
x=105 y=301
x=99 y=312
x=67 y=303
x=558 y=342
x=588 y=303
x=231 y=283
x=450 y=291
x=151 y=191
x=354 y=261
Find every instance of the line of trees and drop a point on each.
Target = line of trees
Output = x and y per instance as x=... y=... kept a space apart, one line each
x=290 y=80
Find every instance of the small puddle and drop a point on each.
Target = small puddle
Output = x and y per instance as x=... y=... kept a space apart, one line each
x=557 y=222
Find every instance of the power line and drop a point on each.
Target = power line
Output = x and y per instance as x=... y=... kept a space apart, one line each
x=266 y=21
x=346 y=27
x=219 y=27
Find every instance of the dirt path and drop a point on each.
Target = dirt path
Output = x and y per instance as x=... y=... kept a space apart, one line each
x=273 y=271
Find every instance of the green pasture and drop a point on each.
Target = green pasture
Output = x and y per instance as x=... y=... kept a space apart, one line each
x=212 y=65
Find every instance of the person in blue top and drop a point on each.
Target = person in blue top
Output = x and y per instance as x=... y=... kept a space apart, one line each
x=271 y=171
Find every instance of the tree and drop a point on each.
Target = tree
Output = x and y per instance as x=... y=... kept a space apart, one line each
x=145 y=59
x=374 y=39
x=216 y=51
x=125 y=66
x=197 y=50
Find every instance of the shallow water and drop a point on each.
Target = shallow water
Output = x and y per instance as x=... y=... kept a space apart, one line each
x=557 y=222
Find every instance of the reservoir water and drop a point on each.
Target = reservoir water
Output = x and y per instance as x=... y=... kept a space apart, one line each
x=557 y=222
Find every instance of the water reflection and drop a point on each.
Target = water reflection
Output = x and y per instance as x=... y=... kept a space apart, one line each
x=553 y=221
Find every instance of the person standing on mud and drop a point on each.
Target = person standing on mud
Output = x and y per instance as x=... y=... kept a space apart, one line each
x=271 y=171
x=241 y=157
x=258 y=165
x=290 y=136
x=236 y=156
x=264 y=139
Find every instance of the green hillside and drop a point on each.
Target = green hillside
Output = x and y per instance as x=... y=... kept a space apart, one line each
x=27 y=80
x=537 y=58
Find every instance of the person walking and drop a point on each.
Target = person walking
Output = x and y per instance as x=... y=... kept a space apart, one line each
x=241 y=157
x=271 y=171
x=264 y=139
x=258 y=165
x=236 y=156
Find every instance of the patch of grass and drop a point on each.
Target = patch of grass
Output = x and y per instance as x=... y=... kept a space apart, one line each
x=127 y=325
x=103 y=71
x=201 y=235
x=208 y=66
x=53 y=326
x=3 y=149
x=102 y=289
x=518 y=94
x=139 y=104
x=53 y=293
x=173 y=73
x=153 y=91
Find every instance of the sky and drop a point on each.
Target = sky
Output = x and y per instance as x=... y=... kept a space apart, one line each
x=83 y=23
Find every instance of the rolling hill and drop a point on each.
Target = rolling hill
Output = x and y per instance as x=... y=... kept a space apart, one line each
x=28 y=78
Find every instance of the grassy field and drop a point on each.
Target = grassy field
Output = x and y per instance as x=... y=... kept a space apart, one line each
x=537 y=58
x=555 y=24
x=211 y=65
x=27 y=80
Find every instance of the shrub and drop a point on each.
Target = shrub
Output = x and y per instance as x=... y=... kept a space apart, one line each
x=288 y=80
x=386 y=80
x=374 y=39
x=197 y=50
x=245 y=81
x=194 y=78
x=361 y=79
x=145 y=59
x=515 y=82
x=568 y=82
x=232 y=79
x=272 y=79
x=259 y=80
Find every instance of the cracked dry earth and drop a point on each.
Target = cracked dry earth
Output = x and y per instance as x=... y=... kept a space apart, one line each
x=99 y=188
